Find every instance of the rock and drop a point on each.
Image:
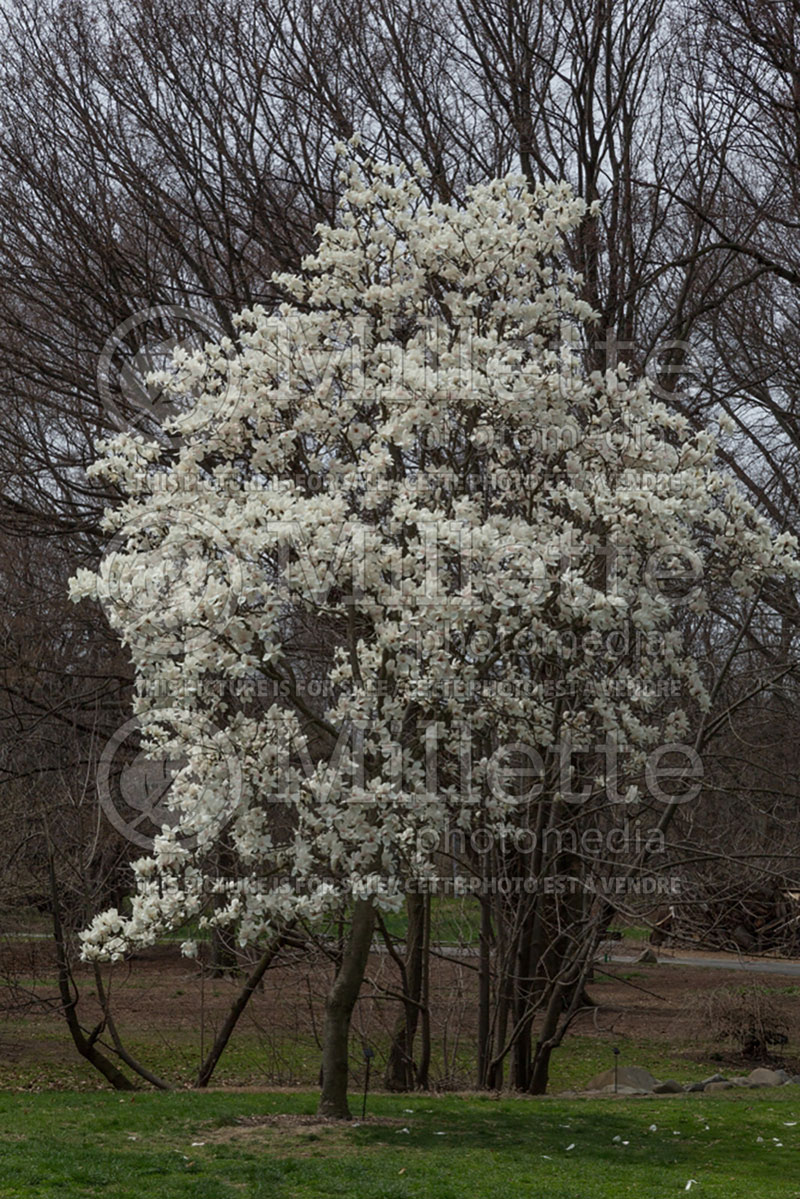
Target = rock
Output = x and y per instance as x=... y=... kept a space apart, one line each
x=762 y=1077
x=741 y=1081
x=621 y=1090
x=714 y=1078
x=668 y=1087
x=627 y=1076
x=646 y=957
x=784 y=1077
x=696 y=1086
x=795 y=1079
x=719 y=1086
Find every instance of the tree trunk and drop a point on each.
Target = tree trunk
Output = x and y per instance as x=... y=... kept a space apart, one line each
x=484 y=993
x=540 y=1072
x=540 y=1069
x=399 y=1075
x=423 y=1069
x=505 y=949
x=529 y=941
x=339 y=1009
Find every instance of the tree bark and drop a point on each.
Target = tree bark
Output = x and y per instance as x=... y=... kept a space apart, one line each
x=540 y=1067
x=399 y=1074
x=339 y=1010
x=424 y=1066
x=484 y=992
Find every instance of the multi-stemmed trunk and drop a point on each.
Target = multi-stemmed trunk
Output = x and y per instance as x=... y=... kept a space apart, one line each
x=339 y=1010
x=401 y=1071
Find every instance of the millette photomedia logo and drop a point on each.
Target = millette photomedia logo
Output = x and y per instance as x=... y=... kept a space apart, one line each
x=142 y=791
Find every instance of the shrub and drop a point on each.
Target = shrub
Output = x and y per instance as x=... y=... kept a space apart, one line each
x=751 y=1016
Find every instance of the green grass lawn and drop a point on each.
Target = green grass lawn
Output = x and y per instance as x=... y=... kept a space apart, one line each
x=294 y=1061
x=68 y=1145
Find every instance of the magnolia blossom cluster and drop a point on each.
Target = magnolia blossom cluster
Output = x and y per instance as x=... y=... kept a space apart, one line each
x=322 y=526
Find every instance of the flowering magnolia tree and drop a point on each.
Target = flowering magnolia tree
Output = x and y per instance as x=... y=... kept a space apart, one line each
x=375 y=573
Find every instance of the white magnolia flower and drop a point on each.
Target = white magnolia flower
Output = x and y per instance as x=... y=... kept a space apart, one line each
x=420 y=534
